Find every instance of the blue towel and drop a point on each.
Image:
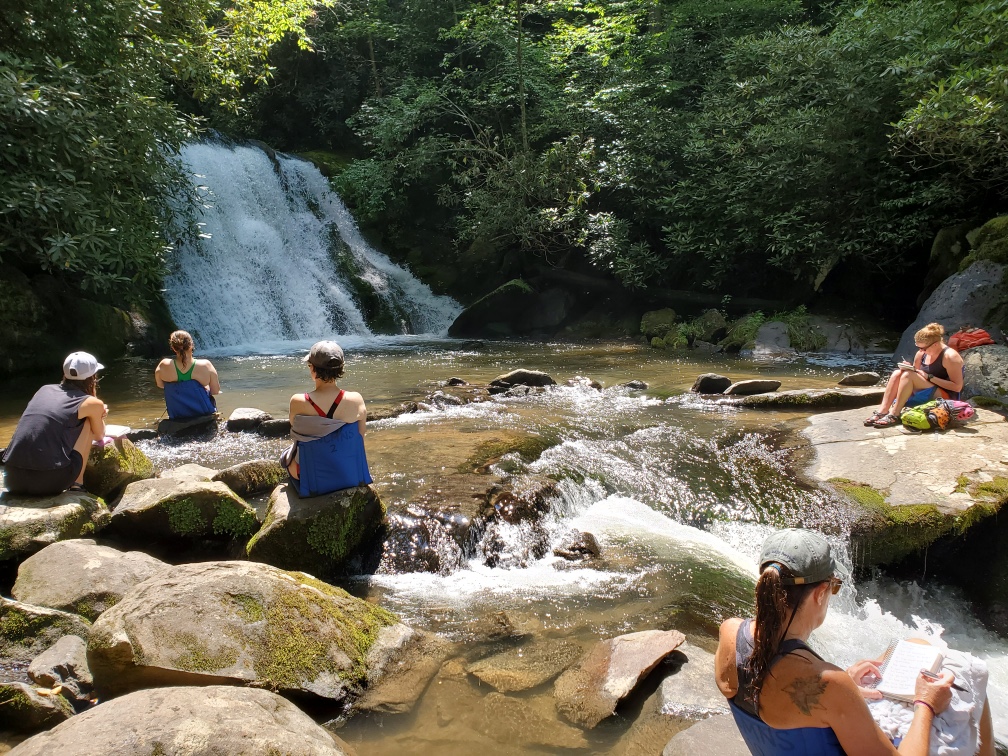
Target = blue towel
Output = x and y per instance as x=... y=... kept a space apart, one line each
x=188 y=399
x=333 y=462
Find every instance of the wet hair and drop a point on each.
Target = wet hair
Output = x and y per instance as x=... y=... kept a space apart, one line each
x=88 y=385
x=180 y=342
x=776 y=604
x=929 y=334
x=329 y=374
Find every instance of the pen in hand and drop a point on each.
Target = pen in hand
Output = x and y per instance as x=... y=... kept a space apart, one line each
x=929 y=675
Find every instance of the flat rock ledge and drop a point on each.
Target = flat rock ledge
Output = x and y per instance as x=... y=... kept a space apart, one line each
x=188 y=721
x=806 y=399
x=910 y=489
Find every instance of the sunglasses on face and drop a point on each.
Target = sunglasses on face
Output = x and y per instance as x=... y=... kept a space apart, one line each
x=835 y=584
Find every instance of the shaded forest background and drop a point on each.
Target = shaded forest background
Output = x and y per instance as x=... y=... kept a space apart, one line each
x=779 y=149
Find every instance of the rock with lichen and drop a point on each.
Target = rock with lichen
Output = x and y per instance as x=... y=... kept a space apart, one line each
x=24 y=708
x=30 y=523
x=182 y=506
x=189 y=721
x=82 y=577
x=114 y=466
x=252 y=477
x=317 y=534
x=27 y=630
x=237 y=623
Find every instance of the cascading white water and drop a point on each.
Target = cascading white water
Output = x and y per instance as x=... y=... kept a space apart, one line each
x=263 y=271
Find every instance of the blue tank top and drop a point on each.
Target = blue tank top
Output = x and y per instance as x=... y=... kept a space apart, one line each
x=761 y=738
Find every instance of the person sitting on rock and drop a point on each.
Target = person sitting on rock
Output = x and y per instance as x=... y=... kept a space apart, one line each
x=937 y=371
x=189 y=385
x=52 y=441
x=328 y=426
x=784 y=697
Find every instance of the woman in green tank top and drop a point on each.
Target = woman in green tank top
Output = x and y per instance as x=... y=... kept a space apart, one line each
x=183 y=367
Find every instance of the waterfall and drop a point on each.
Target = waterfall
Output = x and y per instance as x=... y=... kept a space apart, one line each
x=280 y=259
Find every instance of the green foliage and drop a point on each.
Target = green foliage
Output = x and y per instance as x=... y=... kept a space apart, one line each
x=990 y=243
x=742 y=333
x=803 y=335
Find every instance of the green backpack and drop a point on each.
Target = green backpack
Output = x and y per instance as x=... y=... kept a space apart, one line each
x=924 y=417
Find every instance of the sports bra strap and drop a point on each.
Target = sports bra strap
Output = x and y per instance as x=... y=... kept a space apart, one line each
x=332 y=409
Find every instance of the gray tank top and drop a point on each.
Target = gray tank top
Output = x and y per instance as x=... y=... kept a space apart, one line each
x=48 y=429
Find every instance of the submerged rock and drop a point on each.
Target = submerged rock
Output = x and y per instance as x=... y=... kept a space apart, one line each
x=24 y=708
x=401 y=663
x=64 y=664
x=239 y=623
x=29 y=524
x=247 y=419
x=527 y=666
x=114 y=466
x=252 y=477
x=588 y=692
x=82 y=577
x=860 y=379
x=578 y=545
x=27 y=630
x=635 y=385
x=711 y=383
x=317 y=534
x=515 y=723
x=183 y=505
x=523 y=377
x=189 y=721
x=750 y=387
x=204 y=425
x=456 y=382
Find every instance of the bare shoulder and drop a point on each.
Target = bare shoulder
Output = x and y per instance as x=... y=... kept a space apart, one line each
x=205 y=364
x=729 y=628
x=354 y=398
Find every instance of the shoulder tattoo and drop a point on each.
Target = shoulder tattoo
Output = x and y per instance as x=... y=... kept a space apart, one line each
x=805 y=692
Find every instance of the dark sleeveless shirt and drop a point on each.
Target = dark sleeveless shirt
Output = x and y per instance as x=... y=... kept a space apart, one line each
x=937 y=368
x=48 y=429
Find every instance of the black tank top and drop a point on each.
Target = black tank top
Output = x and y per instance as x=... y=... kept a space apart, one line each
x=48 y=429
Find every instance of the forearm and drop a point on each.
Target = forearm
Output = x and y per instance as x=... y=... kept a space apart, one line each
x=917 y=741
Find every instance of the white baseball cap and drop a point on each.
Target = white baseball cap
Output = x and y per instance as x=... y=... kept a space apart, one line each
x=80 y=365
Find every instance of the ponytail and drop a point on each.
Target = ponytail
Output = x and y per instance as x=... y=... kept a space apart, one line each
x=775 y=608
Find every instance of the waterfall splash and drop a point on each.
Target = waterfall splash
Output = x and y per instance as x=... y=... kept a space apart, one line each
x=280 y=259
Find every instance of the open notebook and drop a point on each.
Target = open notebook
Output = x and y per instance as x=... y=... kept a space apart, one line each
x=901 y=665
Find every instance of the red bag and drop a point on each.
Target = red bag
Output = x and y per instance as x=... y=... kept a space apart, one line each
x=967 y=338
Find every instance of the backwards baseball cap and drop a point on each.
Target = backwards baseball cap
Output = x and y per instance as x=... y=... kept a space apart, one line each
x=80 y=365
x=806 y=554
x=325 y=354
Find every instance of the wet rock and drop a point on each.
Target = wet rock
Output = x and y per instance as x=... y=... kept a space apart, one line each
x=441 y=400
x=514 y=508
x=690 y=692
x=418 y=544
x=29 y=524
x=588 y=692
x=236 y=623
x=522 y=377
x=82 y=577
x=516 y=392
x=493 y=627
x=64 y=664
x=966 y=298
x=461 y=503
x=809 y=399
x=191 y=472
x=711 y=383
x=986 y=372
x=401 y=664
x=635 y=385
x=516 y=724
x=246 y=419
x=710 y=326
x=188 y=721
x=718 y=734
x=860 y=379
x=274 y=428
x=405 y=408
x=24 y=708
x=202 y=426
x=252 y=477
x=456 y=382
x=707 y=347
x=316 y=534
x=114 y=466
x=750 y=387
x=141 y=434
x=182 y=506
x=580 y=380
x=772 y=340
x=27 y=630
x=577 y=546
x=527 y=666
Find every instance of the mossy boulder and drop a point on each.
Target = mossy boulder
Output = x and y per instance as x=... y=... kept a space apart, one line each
x=182 y=507
x=189 y=721
x=237 y=623
x=318 y=534
x=29 y=523
x=807 y=399
x=82 y=577
x=506 y=311
x=989 y=242
x=24 y=708
x=27 y=630
x=114 y=466
x=657 y=324
x=253 y=477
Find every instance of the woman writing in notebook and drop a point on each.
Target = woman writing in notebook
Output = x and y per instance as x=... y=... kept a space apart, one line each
x=785 y=698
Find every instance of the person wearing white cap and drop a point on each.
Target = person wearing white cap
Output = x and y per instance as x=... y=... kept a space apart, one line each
x=784 y=697
x=52 y=441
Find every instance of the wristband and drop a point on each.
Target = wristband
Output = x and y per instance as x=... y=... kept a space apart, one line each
x=919 y=702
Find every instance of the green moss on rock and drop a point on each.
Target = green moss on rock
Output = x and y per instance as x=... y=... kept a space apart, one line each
x=196 y=657
x=234 y=520
x=990 y=242
x=658 y=323
x=530 y=447
x=184 y=516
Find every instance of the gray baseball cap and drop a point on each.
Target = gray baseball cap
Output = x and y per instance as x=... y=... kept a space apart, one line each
x=325 y=354
x=806 y=554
